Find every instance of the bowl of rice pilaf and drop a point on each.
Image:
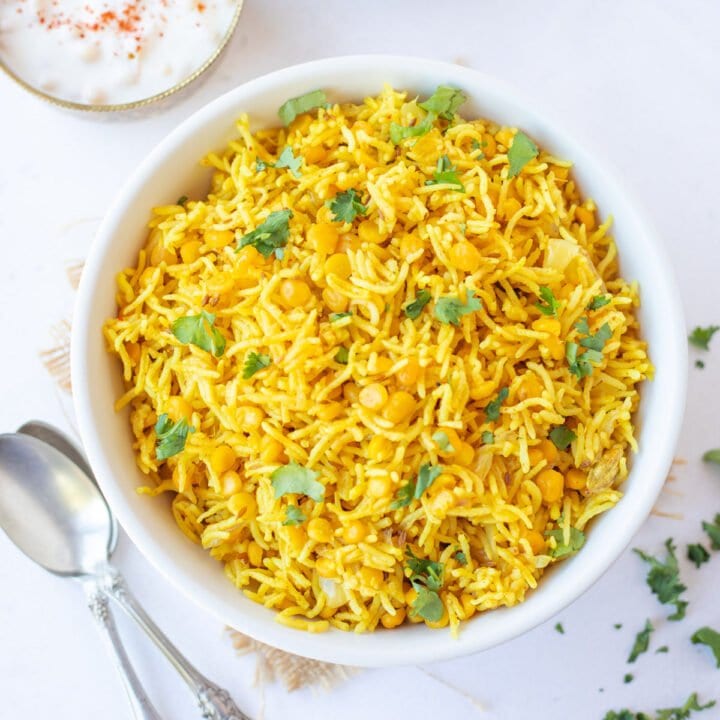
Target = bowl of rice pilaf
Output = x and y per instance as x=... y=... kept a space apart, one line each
x=377 y=364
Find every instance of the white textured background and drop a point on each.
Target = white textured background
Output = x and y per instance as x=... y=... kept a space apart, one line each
x=639 y=80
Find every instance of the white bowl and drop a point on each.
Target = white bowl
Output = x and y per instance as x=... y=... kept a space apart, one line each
x=172 y=170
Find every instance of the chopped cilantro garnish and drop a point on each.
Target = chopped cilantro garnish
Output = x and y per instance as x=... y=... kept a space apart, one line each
x=200 y=330
x=712 y=456
x=255 y=362
x=171 y=436
x=562 y=436
x=293 y=516
x=598 y=340
x=561 y=550
x=346 y=206
x=334 y=317
x=296 y=479
x=521 y=152
x=700 y=337
x=628 y=678
x=426 y=577
x=582 y=365
x=293 y=107
x=713 y=532
x=677 y=713
x=182 y=200
x=445 y=174
x=548 y=305
x=617 y=626
x=598 y=301
x=663 y=578
x=271 y=236
x=711 y=638
x=398 y=133
x=426 y=477
x=444 y=102
x=699 y=364
x=698 y=554
x=289 y=161
x=559 y=628
x=492 y=410
x=414 y=489
x=662 y=649
x=450 y=309
x=461 y=557
x=642 y=642
x=487 y=437
x=443 y=441
x=342 y=356
x=414 y=308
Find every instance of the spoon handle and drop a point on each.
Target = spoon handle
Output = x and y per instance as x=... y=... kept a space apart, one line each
x=215 y=702
x=98 y=603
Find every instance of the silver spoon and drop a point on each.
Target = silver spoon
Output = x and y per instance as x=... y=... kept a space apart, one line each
x=57 y=516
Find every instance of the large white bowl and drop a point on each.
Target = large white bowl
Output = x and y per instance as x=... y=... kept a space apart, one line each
x=172 y=170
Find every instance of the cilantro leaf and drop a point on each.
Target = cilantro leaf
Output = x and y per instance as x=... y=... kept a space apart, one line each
x=624 y=715
x=662 y=649
x=293 y=107
x=450 y=309
x=698 y=554
x=663 y=578
x=428 y=605
x=445 y=174
x=414 y=308
x=699 y=364
x=404 y=496
x=562 y=436
x=334 y=317
x=171 y=436
x=286 y=159
x=443 y=441
x=700 y=337
x=577 y=540
x=581 y=365
x=492 y=410
x=294 y=478
x=599 y=301
x=598 y=340
x=628 y=678
x=549 y=305
x=271 y=236
x=487 y=437
x=294 y=516
x=346 y=206
x=182 y=200
x=582 y=326
x=426 y=477
x=713 y=532
x=342 y=356
x=520 y=153
x=461 y=557
x=642 y=642
x=444 y=102
x=684 y=712
x=426 y=577
x=711 y=638
x=712 y=456
x=559 y=628
x=200 y=330
x=398 y=133
x=255 y=362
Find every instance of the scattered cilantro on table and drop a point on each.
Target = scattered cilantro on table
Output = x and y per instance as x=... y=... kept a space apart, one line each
x=711 y=638
x=698 y=554
x=663 y=578
x=642 y=642
x=700 y=337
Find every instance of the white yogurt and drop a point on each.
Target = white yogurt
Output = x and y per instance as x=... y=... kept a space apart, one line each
x=113 y=51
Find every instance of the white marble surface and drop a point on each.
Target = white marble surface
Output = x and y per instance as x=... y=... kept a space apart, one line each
x=639 y=79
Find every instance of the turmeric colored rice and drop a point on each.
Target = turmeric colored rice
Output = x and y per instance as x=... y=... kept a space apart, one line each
x=417 y=400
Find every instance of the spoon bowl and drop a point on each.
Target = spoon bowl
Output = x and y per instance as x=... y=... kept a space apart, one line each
x=51 y=509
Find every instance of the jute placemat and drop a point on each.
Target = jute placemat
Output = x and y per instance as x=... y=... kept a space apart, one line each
x=293 y=671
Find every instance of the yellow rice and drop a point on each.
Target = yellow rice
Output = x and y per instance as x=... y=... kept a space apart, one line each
x=533 y=230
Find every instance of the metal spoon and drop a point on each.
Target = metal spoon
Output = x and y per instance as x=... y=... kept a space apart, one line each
x=57 y=516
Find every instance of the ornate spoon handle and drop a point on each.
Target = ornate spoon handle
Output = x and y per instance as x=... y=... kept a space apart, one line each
x=215 y=702
x=98 y=604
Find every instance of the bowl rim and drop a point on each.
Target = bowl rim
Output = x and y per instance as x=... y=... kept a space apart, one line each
x=133 y=104
x=337 y=646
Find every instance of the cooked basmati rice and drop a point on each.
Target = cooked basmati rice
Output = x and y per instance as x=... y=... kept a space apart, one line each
x=486 y=516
